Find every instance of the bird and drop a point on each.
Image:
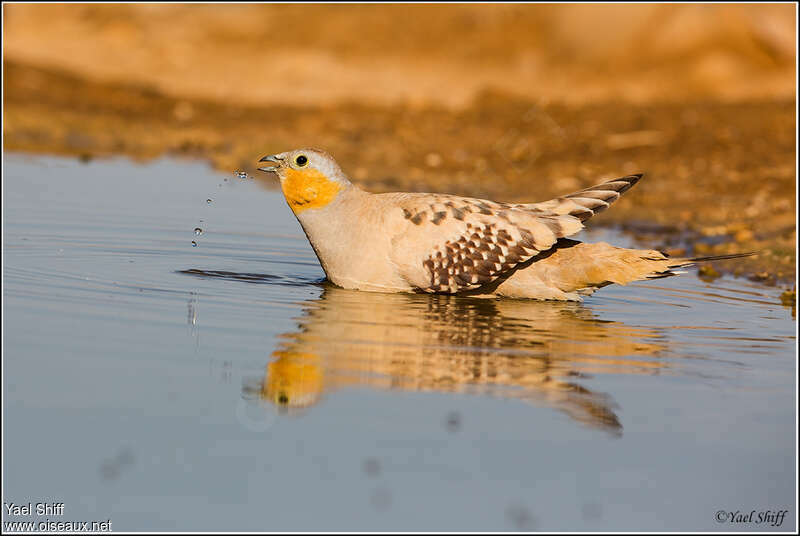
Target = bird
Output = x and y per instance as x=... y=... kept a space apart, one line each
x=449 y=244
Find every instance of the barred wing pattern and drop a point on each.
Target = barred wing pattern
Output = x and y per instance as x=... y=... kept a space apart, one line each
x=586 y=203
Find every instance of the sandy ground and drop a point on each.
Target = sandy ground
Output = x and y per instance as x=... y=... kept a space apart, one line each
x=511 y=103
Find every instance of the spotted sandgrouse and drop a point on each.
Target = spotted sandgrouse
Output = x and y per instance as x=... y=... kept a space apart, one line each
x=439 y=243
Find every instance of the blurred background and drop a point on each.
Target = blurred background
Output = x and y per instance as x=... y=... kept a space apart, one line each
x=511 y=102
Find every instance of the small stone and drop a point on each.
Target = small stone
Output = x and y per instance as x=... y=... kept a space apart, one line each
x=744 y=235
x=789 y=297
x=433 y=160
x=702 y=249
x=183 y=111
x=714 y=230
x=707 y=273
x=763 y=277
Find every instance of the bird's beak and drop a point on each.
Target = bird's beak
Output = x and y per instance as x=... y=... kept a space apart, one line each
x=271 y=158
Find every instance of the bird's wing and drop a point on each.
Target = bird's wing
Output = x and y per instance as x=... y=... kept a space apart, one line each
x=443 y=243
x=587 y=202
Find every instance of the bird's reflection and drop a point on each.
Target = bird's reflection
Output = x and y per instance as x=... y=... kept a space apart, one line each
x=544 y=353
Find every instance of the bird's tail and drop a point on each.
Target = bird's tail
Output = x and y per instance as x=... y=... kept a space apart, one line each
x=573 y=268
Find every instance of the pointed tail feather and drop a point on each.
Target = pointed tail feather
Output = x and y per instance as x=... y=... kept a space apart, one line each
x=680 y=263
x=669 y=270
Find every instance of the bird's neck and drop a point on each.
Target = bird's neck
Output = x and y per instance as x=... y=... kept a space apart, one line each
x=329 y=227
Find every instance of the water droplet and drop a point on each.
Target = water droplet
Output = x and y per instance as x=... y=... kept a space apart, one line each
x=194 y=244
x=209 y=201
x=241 y=174
x=198 y=231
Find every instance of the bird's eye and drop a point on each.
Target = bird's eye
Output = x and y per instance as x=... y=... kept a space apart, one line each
x=301 y=160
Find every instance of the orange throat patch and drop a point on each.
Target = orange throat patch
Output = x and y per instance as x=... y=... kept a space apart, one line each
x=294 y=379
x=309 y=188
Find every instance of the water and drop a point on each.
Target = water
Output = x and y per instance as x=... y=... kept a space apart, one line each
x=225 y=387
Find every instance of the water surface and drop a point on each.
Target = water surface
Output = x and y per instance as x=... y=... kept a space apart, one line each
x=227 y=387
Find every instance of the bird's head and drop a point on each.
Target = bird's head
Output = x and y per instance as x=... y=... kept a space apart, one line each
x=310 y=178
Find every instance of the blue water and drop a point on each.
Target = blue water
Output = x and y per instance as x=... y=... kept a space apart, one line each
x=226 y=387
